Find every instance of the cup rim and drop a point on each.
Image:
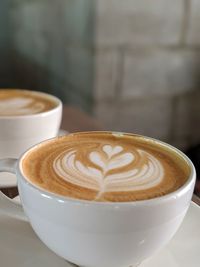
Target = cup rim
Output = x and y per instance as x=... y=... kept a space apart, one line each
x=34 y=115
x=153 y=201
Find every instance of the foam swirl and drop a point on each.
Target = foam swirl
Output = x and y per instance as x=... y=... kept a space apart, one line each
x=111 y=169
x=20 y=106
x=100 y=166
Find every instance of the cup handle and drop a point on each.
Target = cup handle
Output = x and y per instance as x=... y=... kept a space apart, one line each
x=7 y=205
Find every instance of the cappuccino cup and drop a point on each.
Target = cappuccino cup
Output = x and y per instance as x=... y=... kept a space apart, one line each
x=26 y=118
x=102 y=199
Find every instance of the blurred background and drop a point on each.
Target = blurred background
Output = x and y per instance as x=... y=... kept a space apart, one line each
x=132 y=64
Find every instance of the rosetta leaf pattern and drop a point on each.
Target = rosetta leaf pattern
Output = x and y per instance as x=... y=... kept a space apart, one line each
x=107 y=171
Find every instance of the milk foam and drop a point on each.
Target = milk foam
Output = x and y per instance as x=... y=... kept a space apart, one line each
x=100 y=166
x=110 y=170
x=20 y=106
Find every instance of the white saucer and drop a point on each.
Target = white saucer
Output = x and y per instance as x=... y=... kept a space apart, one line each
x=9 y=180
x=20 y=247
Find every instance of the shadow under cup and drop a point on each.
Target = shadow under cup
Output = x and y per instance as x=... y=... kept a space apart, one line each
x=105 y=234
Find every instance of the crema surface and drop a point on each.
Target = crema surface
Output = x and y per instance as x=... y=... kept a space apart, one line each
x=23 y=102
x=105 y=167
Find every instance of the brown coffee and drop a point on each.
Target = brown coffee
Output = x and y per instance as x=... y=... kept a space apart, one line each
x=24 y=102
x=103 y=166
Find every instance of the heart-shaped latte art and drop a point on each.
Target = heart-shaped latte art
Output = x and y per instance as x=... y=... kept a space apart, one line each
x=110 y=169
x=110 y=151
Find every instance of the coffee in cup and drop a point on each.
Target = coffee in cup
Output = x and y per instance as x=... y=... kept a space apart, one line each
x=26 y=118
x=105 y=166
x=24 y=102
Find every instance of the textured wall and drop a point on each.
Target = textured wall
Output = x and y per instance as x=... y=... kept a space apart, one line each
x=4 y=43
x=136 y=62
x=147 y=69
x=52 y=47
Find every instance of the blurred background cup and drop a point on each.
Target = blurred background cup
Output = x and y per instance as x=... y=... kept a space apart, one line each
x=19 y=132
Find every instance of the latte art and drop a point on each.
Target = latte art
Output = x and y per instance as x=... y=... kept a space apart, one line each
x=102 y=178
x=23 y=102
x=20 y=106
x=104 y=167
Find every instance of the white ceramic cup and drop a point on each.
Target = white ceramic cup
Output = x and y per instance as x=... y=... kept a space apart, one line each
x=18 y=133
x=100 y=234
